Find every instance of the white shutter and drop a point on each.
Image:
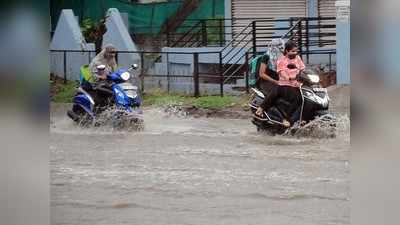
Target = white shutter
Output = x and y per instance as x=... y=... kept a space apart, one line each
x=326 y=8
x=258 y=9
x=268 y=8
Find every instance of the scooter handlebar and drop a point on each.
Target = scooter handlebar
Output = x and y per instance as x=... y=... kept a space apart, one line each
x=133 y=67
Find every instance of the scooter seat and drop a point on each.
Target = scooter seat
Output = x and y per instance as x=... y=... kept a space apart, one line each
x=283 y=103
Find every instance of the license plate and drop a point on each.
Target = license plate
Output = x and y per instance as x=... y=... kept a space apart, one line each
x=319 y=89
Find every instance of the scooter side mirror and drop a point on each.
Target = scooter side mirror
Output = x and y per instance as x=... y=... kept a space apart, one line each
x=134 y=66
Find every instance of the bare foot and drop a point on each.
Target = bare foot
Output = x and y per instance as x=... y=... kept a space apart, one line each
x=286 y=123
x=259 y=111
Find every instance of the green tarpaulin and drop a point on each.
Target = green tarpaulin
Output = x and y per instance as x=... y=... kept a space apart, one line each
x=143 y=18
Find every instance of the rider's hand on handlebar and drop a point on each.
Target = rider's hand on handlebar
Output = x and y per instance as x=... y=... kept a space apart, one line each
x=299 y=76
x=101 y=84
x=291 y=66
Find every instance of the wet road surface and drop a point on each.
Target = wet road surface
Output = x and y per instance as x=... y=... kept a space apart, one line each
x=200 y=171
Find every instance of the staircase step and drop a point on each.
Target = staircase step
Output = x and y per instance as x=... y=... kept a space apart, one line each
x=241 y=82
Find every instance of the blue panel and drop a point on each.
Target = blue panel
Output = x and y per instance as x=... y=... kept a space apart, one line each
x=121 y=98
x=83 y=101
x=312 y=8
x=343 y=52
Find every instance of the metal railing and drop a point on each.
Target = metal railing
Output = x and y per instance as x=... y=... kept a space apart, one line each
x=163 y=75
x=230 y=63
x=308 y=33
x=200 y=32
x=220 y=31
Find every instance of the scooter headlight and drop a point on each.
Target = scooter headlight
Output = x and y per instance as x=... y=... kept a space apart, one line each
x=313 y=78
x=125 y=76
x=310 y=95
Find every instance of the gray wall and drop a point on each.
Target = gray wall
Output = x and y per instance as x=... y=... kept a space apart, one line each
x=68 y=36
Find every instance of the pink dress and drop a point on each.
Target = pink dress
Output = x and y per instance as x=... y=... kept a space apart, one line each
x=282 y=63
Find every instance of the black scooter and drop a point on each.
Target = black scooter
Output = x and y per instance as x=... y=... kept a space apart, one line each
x=315 y=103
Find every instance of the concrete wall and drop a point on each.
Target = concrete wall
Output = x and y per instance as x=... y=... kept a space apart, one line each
x=74 y=61
x=68 y=36
x=186 y=86
x=206 y=55
x=182 y=64
x=118 y=35
x=125 y=18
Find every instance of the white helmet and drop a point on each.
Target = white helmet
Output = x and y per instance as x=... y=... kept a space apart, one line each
x=275 y=49
x=277 y=43
x=100 y=71
x=101 y=67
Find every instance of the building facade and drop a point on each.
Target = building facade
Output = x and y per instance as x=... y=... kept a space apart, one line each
x=278 y=8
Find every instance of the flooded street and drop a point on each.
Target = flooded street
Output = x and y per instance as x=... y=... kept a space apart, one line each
x=199 y=171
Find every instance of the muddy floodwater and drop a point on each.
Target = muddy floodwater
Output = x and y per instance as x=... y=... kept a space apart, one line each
x=200 y=171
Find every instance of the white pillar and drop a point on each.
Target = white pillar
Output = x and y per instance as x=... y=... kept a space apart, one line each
x=68 y=36
x=118 y=35
x=228 y=23
x=343 y=42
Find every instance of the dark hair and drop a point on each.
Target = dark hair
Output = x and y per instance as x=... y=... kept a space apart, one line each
x=289 y=45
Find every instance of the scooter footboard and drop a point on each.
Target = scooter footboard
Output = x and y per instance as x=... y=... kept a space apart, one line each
x=275 y=114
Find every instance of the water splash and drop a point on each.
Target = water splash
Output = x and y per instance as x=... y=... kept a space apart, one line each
x=327 y=126
x=114 y=119
x=174 y=110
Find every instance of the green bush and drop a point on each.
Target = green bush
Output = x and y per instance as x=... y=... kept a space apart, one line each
x=159 y=98
x=214 y=102
x=65 y=92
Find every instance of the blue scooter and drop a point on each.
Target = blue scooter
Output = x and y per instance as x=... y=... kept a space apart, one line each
x=116 y=93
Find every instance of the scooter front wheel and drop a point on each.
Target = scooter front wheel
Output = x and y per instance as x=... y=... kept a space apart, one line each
x=321 y=113
x=82 y=118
